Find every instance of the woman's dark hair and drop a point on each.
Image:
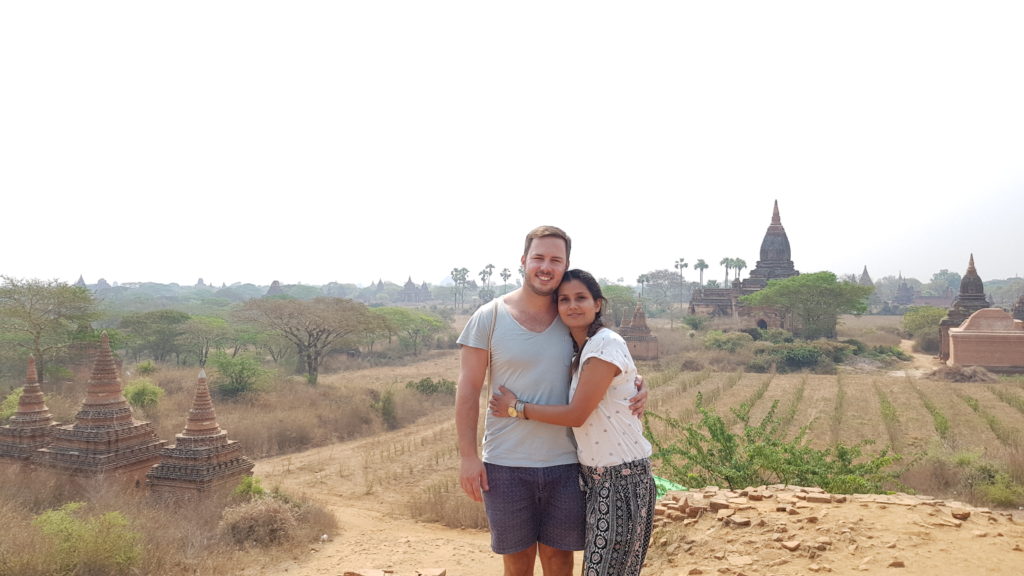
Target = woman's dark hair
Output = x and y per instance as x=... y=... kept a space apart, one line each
x=592 y=286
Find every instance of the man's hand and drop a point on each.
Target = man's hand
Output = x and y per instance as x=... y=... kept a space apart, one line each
x=638 y=402
x=473 y=477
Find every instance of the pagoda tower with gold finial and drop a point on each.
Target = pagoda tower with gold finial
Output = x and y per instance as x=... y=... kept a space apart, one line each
x=202 y=461
x=31 y=426
x=105 y=438
x=970 y=299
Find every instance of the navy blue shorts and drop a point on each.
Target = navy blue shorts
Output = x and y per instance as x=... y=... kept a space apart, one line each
x=529 y=505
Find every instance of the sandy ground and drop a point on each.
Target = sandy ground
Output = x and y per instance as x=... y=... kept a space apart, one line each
x=783 y=532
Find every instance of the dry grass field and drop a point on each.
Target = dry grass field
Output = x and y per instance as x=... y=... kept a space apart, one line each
x=381 y=457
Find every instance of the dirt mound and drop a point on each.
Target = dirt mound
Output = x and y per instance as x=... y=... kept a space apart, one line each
x=794 y=530
x=963 y=374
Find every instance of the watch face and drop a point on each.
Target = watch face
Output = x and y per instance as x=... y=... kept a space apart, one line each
x=512 y=412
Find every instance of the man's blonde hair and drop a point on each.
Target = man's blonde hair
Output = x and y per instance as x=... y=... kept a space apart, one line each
x=545 y=231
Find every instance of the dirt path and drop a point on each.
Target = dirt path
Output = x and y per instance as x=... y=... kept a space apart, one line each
x=366 y=483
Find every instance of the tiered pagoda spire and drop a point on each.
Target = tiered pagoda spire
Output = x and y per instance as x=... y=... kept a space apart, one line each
x=104 y=438
x=642 y=344
x=202 y=459
x=31 y=426
x=776 y=259
x=970 y=299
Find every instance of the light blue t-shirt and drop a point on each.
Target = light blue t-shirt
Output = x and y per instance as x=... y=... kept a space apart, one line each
x=534 y=365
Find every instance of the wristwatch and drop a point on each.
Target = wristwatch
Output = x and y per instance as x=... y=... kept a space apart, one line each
x=512 y=412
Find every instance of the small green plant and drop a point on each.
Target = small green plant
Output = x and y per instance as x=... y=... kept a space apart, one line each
x=430 y=387
x=143 y=394
x=145 y=368
x=249 y=487
x=383 y=403
x=102 y=544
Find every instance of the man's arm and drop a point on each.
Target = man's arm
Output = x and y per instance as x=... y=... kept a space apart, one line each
x=638 y=402
x=472 y=372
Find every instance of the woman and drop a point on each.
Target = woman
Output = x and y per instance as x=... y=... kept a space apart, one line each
x=613 y=453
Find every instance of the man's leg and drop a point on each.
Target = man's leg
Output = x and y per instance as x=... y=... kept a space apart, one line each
x=520 y=563
x=555 y=562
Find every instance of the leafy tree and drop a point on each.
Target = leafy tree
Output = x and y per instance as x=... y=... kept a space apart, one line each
x=812 y=303
x=156 y=333
x=727 y=263
x=414 y=327
x=662 y=288
x=701 y=266
x=943 y=282
x=44 y=316
x=621 y=302
x=314 y=326
x=922 y=324
x=201 y=334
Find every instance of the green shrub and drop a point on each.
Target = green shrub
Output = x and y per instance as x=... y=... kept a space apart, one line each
x=237 y=376
x=778 y=335
x=143 y=394
x=83 y=545
x=727 y=341
x=696 y=322
x=708 y=453
x=249 y=487
x=430 y=387
x=146 y=368
x=10 y=404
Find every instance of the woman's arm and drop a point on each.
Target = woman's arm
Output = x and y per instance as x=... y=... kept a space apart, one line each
x=595 y=377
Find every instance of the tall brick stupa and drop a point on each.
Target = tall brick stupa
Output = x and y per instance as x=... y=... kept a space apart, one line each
x=31 y=426
x=202 y=461
x=105 y=439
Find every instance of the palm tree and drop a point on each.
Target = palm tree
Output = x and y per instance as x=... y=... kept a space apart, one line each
x=459 y=277
x=702 y=266
x=680 y=264
x=641 y=280
x=727 y=262
x=738 y=264
x=505 y=275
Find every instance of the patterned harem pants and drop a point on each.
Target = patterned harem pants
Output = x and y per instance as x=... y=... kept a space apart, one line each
x=620 y=517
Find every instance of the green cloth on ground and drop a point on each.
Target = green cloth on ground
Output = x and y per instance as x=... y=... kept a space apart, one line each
x=664 y=486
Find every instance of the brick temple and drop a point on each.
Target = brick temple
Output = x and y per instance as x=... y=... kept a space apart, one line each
x=642 y=344
x=105 y=439
x=970 y=300
x=990 y=338
x=31 y=426
x=775 y=263
x=202 y=461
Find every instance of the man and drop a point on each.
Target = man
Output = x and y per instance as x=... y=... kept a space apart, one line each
x=528 y=473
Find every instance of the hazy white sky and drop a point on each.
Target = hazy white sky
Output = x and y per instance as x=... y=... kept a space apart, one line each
x=311 y=142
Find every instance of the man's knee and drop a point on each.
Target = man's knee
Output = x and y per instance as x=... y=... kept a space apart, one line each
x=555 y=562
x=520 y=563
